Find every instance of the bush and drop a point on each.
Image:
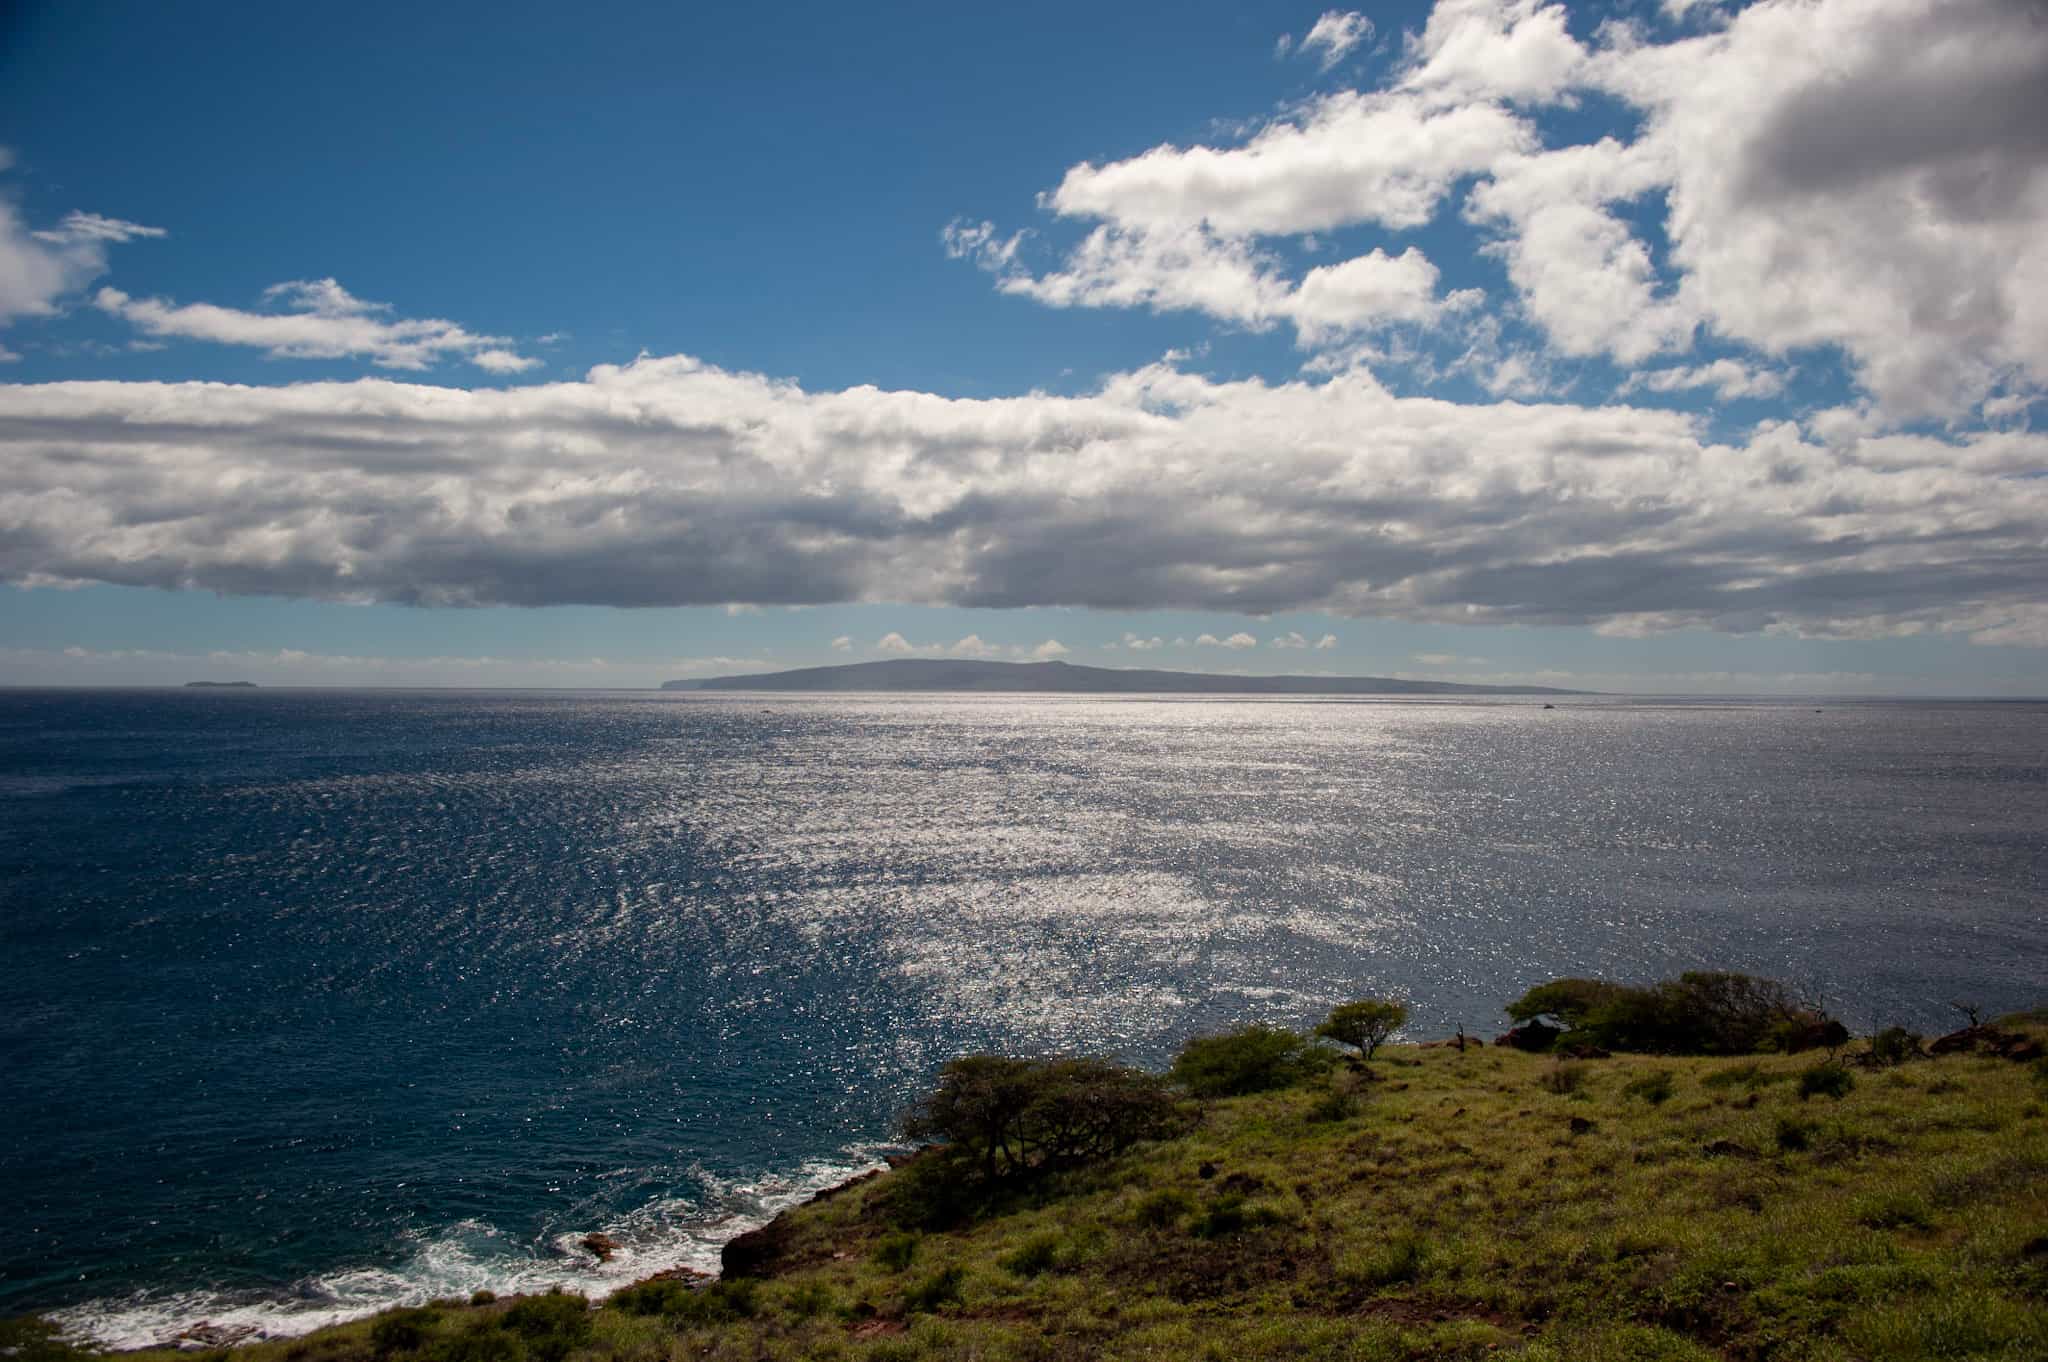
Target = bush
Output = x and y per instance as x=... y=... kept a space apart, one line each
x=1035 y=1255
x=1401 y=1259
x=482 y=1341
x=940 y=1289
x=1702 y=1012
x=402 y=1331
x=1364 y=1025
x=1571 y=1001
x=1826 y=1080
x=1253 y=1059
x=1654 y=1088
x=1895 y=1045
x=552 y=1325
x=897 y=1251
x=1004 y=1118
x=1792 y=1135
x=1566 y=1076
x=1225 y=1215
x=1163 y=1208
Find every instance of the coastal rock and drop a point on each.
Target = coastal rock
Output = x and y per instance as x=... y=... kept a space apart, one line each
x=1533 y=1036
x=757 y=1252
x=601 y=1246
x=207 y=1335
x=1991 y=1039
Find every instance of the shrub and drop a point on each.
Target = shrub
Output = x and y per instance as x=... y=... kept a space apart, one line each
x=1564 y=1077
x=402 y=1331
x=1793 y=1135
x=1702 y=1012
x=1400 y=1259
x=1364 y=1025
x=481 y=1297
x=482 y=1341
x=1035 y=1255
x=940 y=1289
x=1826 y=1080
x=1163 y=1208
x=1004 y=1118
x=552 y=1325
x=1225 y=1215
x=1338 y=1101
x=811 y=1300
x=1571 y=1001
x=1253 y=1059
x=896 y=1251
x=1895 y=1045
x=1654 y=1087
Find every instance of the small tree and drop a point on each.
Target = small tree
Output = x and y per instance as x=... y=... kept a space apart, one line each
x=1364 y=1025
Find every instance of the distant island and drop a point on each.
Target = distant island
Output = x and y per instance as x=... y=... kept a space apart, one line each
x=220 y=685
x=948 y=674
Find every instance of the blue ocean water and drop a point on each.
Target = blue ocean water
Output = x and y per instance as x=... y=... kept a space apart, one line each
x=314 y=1002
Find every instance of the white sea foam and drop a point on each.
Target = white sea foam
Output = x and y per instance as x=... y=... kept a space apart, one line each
x=470 y=1256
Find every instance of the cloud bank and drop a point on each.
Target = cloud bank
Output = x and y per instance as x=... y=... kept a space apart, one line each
x=672 y=482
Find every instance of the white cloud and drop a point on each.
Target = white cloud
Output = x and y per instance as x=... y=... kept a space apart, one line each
x=843 y=644
x=38 y=268
x=974 y=646
x=1477 y=50
x=893 y=642
x=79 y=227
x=1804 y=176
x=1327 y=641
x=1291 y=639
x=1237 y=641
x=1142 y=645
x=671 y=482
x=1345 y=158
x=1334 y=36
x=1048 y=650
x=323 y=320
x=1730 y=378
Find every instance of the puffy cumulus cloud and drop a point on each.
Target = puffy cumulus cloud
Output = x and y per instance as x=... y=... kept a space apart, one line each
x=1194 y=269
x=1866 y=174
x=320 y=320
x=895 y=644
x=1863 y=176
x=1139 y=644
x=1348 y=157
x=1326 y=642
x=843 y=644
x=1291 y=639
x=1516 y=50
x=671 y=482
x=1238 y=641
x=38 y=268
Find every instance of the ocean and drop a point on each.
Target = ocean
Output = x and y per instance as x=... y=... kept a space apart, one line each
x=316 y=1002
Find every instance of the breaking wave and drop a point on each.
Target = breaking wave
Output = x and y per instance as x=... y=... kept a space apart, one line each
x=470 y=1256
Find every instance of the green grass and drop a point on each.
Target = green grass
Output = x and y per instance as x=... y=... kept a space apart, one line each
x=1450 y=1212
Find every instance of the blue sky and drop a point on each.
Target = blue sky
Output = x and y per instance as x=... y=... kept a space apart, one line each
x=1661 y=346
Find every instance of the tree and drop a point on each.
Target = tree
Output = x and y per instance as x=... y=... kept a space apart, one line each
x=1006 y=1118
x=1364 y=1025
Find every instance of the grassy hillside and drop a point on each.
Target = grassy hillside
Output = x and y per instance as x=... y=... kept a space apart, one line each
x=1456 y=1204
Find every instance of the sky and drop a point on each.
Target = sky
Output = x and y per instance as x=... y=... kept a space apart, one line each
x=1659 y=346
